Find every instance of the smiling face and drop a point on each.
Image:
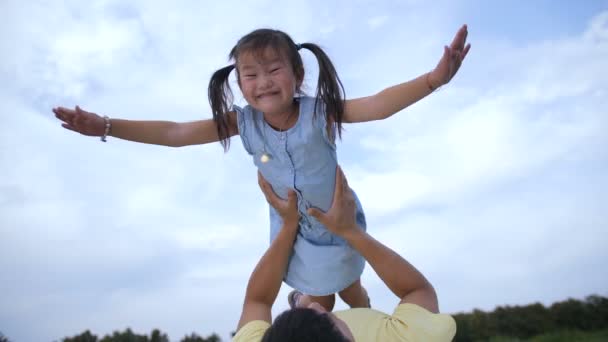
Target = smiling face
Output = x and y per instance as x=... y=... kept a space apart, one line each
x=268 y=81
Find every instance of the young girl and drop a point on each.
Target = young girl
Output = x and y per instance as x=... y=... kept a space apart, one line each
x=291 y=138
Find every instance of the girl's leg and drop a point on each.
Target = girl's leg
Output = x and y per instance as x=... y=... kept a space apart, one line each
x=327 y=301
x=355 y=295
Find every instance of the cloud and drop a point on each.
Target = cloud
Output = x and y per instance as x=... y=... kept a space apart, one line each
x=376 y=22
x=551 y=113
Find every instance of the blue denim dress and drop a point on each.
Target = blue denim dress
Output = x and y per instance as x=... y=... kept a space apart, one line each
x=304 y=158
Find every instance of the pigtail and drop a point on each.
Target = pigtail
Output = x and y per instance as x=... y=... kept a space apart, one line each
x=221 y=98
x=329 y=89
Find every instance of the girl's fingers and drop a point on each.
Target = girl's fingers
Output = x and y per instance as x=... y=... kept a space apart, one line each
x=62 y=115
x=65 y=111
x=68 y=127
x=461 y=35
x=81 y=111
x=76 y=120
x=466 y=50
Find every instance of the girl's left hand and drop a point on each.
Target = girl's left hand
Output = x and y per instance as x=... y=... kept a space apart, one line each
x=451 y=60
x=287 y=209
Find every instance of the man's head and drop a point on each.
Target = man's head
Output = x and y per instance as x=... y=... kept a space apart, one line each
x=312 y=323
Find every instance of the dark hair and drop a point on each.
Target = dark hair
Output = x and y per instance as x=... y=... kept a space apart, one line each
x=330 y=91
x=303 y=325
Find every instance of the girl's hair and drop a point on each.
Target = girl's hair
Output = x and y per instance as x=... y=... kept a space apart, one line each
x=330 y=91
x=303 y=325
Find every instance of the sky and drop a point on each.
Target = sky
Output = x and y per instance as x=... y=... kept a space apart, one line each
x=495 y=186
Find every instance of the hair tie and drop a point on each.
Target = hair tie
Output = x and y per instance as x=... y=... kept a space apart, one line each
x=298 y=46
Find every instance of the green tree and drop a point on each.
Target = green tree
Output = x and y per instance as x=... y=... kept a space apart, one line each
x=464 y=330
x=480 y=326
x=598 y=312
x=571 y=314
x=158 y=336
x=86 y=336
x=213 y=338
x=126 y=336
x=519 y=323
x=196 y=338
x=3 y=338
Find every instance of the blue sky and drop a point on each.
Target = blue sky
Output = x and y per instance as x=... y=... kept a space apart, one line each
x=495 y=186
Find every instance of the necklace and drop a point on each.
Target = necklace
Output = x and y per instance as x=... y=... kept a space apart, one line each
x=265 y=155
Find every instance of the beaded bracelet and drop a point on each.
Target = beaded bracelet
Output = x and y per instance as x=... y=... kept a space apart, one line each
x=106 y=119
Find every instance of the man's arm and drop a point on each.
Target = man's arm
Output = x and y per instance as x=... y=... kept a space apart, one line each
x=265 y=280
x=399 y=275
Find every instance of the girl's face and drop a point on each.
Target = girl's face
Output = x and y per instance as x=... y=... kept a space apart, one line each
x=267 y=81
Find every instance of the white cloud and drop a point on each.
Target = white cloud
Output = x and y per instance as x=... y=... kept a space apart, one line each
x=550 y=113
x=377 y=21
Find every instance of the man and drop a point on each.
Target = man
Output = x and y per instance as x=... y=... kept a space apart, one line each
x=416 y=317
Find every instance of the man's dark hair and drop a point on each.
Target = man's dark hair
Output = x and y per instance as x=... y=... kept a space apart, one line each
x=303 y=325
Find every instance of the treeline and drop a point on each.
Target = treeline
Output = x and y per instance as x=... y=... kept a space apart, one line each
x=524 y=322
x=563 y=321
x=129 y=336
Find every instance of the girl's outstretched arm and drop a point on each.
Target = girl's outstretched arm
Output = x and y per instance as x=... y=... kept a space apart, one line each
x=393 y=99
x=165 y=133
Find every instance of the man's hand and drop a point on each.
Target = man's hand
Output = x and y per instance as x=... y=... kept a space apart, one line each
x=288 y=209
x=340 y=218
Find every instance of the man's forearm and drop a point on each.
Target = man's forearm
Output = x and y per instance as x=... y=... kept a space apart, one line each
x=266 y=278
x=398 y=274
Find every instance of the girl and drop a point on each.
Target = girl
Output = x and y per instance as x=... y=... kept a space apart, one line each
x=291 y=138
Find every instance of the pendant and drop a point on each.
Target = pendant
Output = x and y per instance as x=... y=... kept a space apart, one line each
x=265 y=157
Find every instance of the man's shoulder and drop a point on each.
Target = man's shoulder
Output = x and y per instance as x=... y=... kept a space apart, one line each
x=407 y=322
x=251 y=332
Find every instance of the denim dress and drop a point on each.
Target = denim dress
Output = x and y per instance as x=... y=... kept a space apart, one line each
x=303 y=158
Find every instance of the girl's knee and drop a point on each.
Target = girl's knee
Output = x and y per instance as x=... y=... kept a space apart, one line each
x=353 y=289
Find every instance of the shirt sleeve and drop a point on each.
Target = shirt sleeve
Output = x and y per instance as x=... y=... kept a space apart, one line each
x=423 y=325
x=251 y=332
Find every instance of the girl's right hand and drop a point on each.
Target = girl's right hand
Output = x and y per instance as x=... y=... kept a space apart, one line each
x=80 y=121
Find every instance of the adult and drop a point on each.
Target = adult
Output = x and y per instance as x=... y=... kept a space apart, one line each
x=416 y=317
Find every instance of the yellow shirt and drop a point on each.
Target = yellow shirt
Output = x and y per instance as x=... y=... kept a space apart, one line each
x=409 y=322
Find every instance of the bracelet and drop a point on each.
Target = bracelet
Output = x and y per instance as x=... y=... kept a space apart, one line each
x=428 y=82
x=108 y=127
